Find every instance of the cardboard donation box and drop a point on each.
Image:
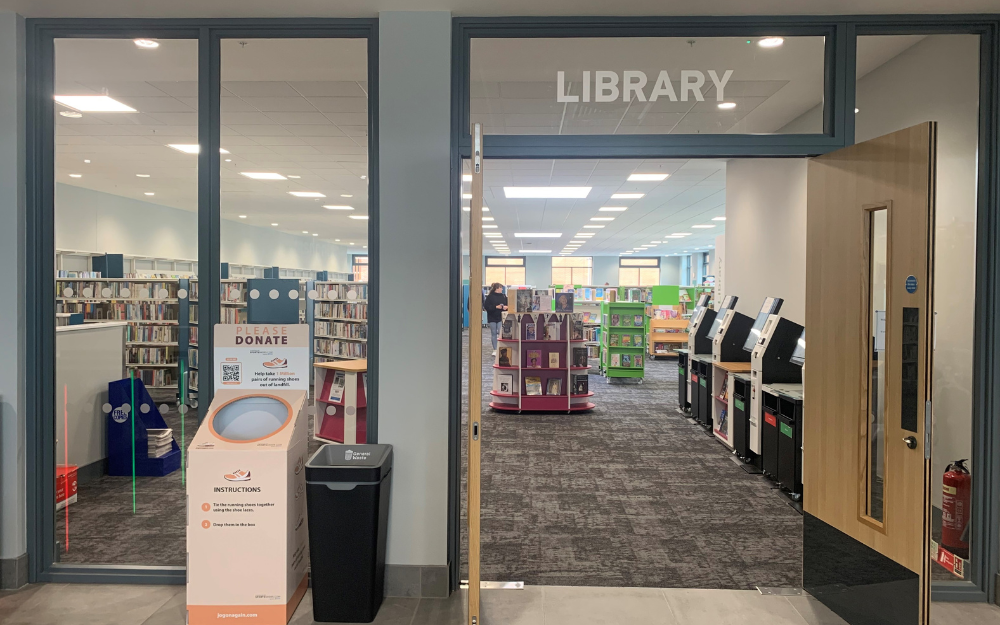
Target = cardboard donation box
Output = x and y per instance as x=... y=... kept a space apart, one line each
x=247 y=529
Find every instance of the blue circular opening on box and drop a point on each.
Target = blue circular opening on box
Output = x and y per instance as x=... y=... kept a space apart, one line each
x=250 y=418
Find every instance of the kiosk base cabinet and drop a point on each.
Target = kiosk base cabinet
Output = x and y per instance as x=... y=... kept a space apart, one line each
x=741 y=418
x=347 y=489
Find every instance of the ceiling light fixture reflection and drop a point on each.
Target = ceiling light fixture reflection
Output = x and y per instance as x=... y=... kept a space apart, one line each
x=466 y=177
x=771 y=42
x=305 y=232
x=612 y=209
x=359 y=216
x=602 y=219
x=647 y=177
x=149 y=193
x=626 y=196
x=592 y=226
x=488 y=219
x=535 y=251
x=93 y=104
x=466 y=196
x=337 y=207
x=296 y=177
x=71 y=114
x=76 y=175
x=191 y=148
x=727 y=105
x=680 y=234
x=142 y=175
x=262 y=175
x=704 y=226
x=274 y=224
x=546 y=193
x=148 y=44
x=346 y=195
x=306 y=194
x=315 y=234
x=538 y=235
x=718 y=218
x=243 y=216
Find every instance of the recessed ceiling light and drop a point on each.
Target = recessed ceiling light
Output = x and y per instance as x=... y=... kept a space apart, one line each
x=538 y=235
x=76 y=175
x=466 y=196
x=337 y=207
x=647 y=177
x=243 y=216
x=86 y=160
x=626 y=196
x=305 y=232
x=346 y=195
x=337 y=240
x=672 y=236
x=262 y=175
x=680 y=234
x=577 y=241
x=365 y=246
x=351 y=243
x=718 y=218
x=466 y=209
x=583 y=234
x=546 y=192
x=146 y=43
x=149 y=193
x=592 y=226
x=315 y=234
x=142 y=175
x=770 y=42
x=191 y=148
x=229 y=160
x=535 y=251
x=306 y=194
x=296 y=177
x=359 y=216
x=71 y=114
x=727 y=105
x=490 y=226
x=487 y=219
x=363 y=177
x=94 y=104
x=704 y=226
x=612 y=209
x=602 y=219
x=492 y=234
x=657 y=242
x=466 y=177
x=274 y=224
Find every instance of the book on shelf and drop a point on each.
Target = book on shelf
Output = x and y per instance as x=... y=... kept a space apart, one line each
x=334 y=383
x=637 y=360
x=616 y=360
x=504 y=356
x=533 y=385
x=626 y=340
x=577 y=330
x=564 y=302
x=637 y=340
x=588 y=294
x=614 y=340
x=534 y=359
x=553 y=360
x=552 y=332
x=637 y=321
x=553 y=386
x=507 y=328
x=615 y=319
x=522 y=301
x=626 y=360
x=579 y=356
x=530 y=330
x=541 y=300
x=581 y=384
x=505 y=384
x=599 y=293
x=723 y=417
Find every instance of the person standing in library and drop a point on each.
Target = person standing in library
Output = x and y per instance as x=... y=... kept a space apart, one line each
x=494 y=304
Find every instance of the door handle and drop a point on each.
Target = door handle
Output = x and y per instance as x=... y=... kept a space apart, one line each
x=911 y=442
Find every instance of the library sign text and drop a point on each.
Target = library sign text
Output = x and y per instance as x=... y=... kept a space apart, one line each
x=609 y=86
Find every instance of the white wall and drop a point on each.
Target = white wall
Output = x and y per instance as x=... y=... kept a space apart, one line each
x=766 y=234
x=414 y=175
x=94 y=221
x=13 y=536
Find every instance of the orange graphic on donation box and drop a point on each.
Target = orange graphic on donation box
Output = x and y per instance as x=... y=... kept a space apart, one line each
x=239 y=475
x=206 y=524
x=277 y=363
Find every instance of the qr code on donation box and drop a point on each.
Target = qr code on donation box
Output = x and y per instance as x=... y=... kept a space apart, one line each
x=232 y=373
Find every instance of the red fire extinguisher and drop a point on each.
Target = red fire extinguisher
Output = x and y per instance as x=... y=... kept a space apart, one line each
x=956 y=501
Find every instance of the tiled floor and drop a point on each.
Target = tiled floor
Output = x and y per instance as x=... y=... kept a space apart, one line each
x=62 y=604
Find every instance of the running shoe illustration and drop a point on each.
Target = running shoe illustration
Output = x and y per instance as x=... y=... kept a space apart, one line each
x=277 y=363
x=239 y=475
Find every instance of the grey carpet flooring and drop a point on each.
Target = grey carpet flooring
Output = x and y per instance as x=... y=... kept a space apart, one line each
x=629 y=494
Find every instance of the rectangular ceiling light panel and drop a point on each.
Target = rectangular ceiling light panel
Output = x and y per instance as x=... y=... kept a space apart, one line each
x=546 y=193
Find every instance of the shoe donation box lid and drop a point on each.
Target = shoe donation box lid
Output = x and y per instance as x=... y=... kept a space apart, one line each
x=240 y=419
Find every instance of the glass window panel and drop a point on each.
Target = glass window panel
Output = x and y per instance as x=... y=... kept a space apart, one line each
x=495 y=261
x=562 y=275
x=572 y=261
x=893 y=73
x=878 y=245
x=647 y=85
x=581 y=275
x=649 y=276
x=126 y=203
x=294 y=182
x=639 y=262
x=628 y=276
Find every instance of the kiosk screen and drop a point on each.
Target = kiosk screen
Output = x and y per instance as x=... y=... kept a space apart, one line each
x=771 y=306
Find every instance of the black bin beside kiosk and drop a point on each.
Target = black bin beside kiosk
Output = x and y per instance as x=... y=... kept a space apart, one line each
x=741 y=413
x=682 y=380
x=347 y=492
x=769 y=436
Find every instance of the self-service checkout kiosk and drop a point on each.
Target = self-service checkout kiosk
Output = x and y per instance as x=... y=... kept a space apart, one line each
x=700 y=363
x=684 y=357
x=729 y=360
x=770 y=364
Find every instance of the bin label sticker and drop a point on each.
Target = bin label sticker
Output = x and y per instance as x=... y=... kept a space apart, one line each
x=739 y=404
x=786 y=430
x=770 y=419
x=357 y=455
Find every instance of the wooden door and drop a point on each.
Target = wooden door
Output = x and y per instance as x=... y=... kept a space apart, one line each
x=475 y=366
x=866 y=455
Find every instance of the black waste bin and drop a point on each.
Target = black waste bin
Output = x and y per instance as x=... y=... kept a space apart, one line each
x=347 y=491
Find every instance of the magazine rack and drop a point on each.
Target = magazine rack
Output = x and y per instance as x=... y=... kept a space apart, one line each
x=534 y=369
x=340 y=414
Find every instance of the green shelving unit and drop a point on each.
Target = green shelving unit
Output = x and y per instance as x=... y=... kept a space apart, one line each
x=618 y=359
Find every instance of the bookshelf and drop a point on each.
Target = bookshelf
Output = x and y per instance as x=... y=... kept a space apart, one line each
x=621 y=357
x=341 y=401
x=340 y=321
x=587 y=300
x=724 y=397
x=535 y=368
x=155 y=310
x=666 y=336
